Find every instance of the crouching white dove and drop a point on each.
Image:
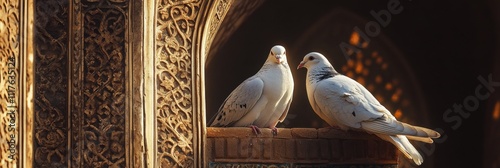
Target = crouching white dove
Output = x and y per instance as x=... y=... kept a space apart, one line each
x=262 y=100
x=343 y=102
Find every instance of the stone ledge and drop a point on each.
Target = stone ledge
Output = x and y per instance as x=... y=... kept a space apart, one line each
x=298 y=146
x=287 y=133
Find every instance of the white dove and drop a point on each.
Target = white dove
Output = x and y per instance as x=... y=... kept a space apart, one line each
x=262 y=100
x=343 y=102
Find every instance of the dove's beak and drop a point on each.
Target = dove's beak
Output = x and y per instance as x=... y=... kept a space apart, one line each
x=279 y=59
x=301 y=65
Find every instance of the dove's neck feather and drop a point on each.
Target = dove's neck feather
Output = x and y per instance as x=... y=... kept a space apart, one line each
x=322 y=73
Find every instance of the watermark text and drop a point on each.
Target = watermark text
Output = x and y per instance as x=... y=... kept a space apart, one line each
x=12 y=107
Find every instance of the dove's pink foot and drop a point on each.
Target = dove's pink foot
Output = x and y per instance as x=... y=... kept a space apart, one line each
x=274 y=130
x=255 y=129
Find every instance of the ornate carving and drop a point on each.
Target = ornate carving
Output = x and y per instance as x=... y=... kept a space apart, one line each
x=104 y=102
x=98 y=80
x=9 y=55
x=221 y=8
x=174 y=110
x=50 y=119
x=76 y=83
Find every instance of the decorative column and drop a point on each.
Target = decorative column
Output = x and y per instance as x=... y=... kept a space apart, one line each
x=16 y=83
x=88 y=67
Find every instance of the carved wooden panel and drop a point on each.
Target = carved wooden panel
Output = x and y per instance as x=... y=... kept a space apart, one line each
x=75 y=84
x=51 y=57
x=9 y=73
x=103 y=93
x=85 y=127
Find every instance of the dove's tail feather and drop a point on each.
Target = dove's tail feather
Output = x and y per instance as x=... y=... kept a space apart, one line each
x=386 y=125
x=402 y=143
x=421 y=139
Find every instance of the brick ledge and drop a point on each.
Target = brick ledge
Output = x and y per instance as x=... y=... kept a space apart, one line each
x=313 y=146
x=287 y=133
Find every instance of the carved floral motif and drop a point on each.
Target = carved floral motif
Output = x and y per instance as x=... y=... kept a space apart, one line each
x=175 y=28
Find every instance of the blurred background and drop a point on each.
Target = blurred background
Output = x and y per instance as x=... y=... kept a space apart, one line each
x=424 y=63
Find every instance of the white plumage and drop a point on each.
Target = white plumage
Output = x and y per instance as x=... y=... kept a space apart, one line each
x=262 y=100
x=343 y=102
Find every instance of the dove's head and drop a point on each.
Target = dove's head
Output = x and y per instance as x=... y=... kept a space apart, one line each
x=278 y=54
x=314 y=59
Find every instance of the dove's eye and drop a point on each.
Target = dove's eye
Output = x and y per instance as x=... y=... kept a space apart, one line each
x=284 y=52
x=311 y=58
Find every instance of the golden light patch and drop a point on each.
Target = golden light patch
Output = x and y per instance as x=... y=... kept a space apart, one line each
x=354 y=40
x=398 y=114
x=395 y=97
x=378 y=79
x=359 y=55
x=496 y=111
x=350 y=63
x=380 y=98
x=359 y=67
x=388 y=86
x=368 y=62
x=350 y=74
x=361 y=81
x=366 y=72
x=374 y=54
x=379 y=60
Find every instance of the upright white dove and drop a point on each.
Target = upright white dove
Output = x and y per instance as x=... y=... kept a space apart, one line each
x=262 y=100
x=343 y=102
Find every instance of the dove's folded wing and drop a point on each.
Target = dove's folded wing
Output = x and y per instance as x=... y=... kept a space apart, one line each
x=239 y=102
x=339 y=100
